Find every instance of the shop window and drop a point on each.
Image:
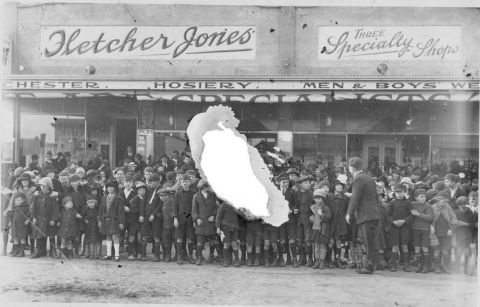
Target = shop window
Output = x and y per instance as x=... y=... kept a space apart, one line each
x=44 y=133
x=306 y=117
x=449 y=148
x=319 y=149
x=167 y=143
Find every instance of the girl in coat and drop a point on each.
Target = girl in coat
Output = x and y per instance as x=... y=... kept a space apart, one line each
x=134 y=236
x=93 y=238
x=68 y=230
x=112 y=220
x=338 y=205
x=168 y=231
x=320 y=228
x=77 y=193
x=44 y=213
x=19 y=224
x=204 y=211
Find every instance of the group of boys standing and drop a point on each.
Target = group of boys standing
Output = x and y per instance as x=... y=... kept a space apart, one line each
x=326 y=224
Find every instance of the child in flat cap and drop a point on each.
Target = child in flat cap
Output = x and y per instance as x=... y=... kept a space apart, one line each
x=400 y=217
x=168 y=228
x=303 y=199
x=68 y=230
x=422 y=220
x=93 y=237
x=19 y=224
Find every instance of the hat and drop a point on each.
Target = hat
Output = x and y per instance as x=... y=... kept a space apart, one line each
x=317 y=193
x=185 y=177
x=128 y=177
x=80 y=170
x=434 y=178
x=112 y=184
x=18 y=194
x=155 y=177
x=419 y=192
x=148 y=169
x=164 y=191
x=140 y=184
x=324 y=182
x=191 y=172
x=49 y=170
x=202 y=183
x=71 y=162
x=400 y=188
x=180 y=171
x=30 y=174
x=171 y=176
x=461 y=201
x=452 y=177
x=356 y=163
x=91 y=173
x=420 y=185
x=283 y=176
x=383 y=179
x=293 y=171
x=63 y=174
x=342 y=178
x=74 y=177
x=91 y=197
x=132 y=164
x=46 y=182
x=431 y=194
x=338 y=182
x=303 y=178
x=406 y=180
x=23 y=176
x=442 y=195
x=66 y=199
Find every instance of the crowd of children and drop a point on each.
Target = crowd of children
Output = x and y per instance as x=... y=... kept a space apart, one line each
x=427 y=224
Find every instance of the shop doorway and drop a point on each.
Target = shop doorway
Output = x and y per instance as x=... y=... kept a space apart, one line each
x=125 y=135
x=381 y=153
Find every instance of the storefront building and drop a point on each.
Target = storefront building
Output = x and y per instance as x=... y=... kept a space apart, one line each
x=323 y=84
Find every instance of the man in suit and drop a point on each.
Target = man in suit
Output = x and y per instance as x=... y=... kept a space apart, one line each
x=364 y=208
x=129 y=154
x=166 y=164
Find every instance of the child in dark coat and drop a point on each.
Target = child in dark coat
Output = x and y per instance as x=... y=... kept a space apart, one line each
x=463 y=232
x=77 y=193
x=320 y=228
x=133 y=223
x=168 y=229
x=399 y=217
x=303 y=199
x=384 y=244
x=139 y=202
x=227 y=223
x=19 y=224
x=93 y=237
x=422 y=220
x=68 y=230
x=338 y=205
x=112 y=219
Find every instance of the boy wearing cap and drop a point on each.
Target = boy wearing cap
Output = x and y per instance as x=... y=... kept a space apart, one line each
x=287 y=231
x=226 y=222
x=204 y=211
x=132 y=215
x=137 y=246
x=151 y=216
x=422 y=220
x=127 y=194
x=303 y=199
x=112 y=219
x=320 y=228
x=92 y=239
x=68 y=230
x=19 y=224
x=78 y=196
x=44 y=213
x=338 y=204
x=444 y=219
x=168 y=228
x=182 y=219
x=399 y=217
x=463 y=232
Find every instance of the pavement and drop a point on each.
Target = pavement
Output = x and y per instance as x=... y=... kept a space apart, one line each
x=79 y=281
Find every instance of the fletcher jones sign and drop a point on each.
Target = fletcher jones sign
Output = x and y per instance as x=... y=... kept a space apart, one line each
x=143 y=42
x=390 y=43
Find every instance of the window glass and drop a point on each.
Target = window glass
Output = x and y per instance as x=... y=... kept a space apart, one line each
x=321 y=149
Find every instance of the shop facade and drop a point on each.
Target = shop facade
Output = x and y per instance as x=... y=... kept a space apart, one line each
x=323 y=84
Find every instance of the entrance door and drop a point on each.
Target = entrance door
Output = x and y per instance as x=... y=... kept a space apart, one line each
x=125 y=135
x=380 y=152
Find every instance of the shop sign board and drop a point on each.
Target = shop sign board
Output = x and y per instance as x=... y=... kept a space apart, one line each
x=251 y=85
x=148 y=42
x=378 y=43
